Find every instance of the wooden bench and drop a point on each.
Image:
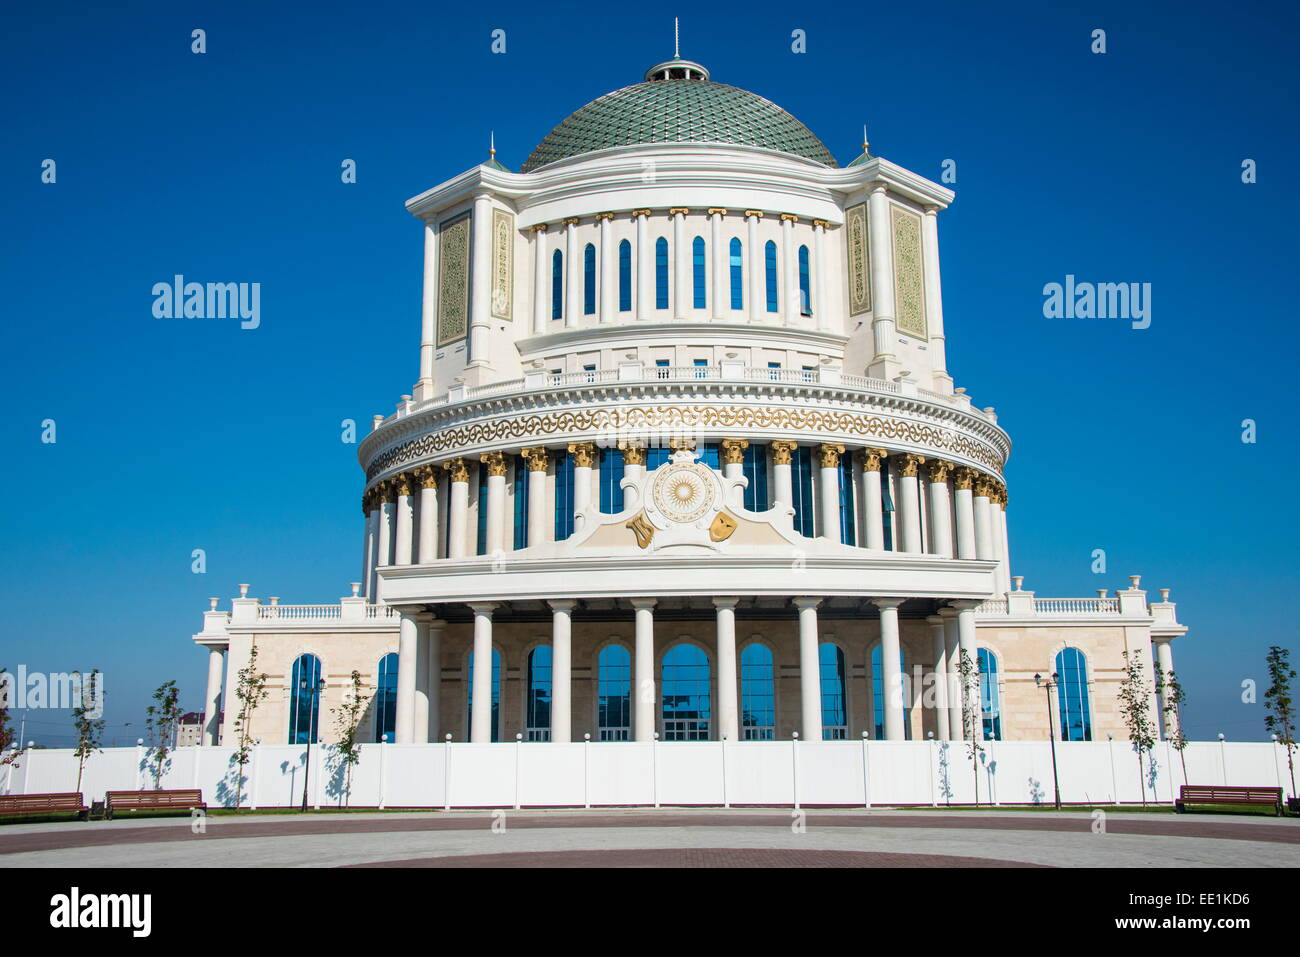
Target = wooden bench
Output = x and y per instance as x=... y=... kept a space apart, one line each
x=182 y=799
x=66 y=803
x=1223 y=794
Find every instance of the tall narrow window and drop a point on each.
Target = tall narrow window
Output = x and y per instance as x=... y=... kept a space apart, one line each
x=801 y=480
x=615 y=693
x=386 y=699
x=624 y=276
x=661 y=273
x=589 y=280
x=481 y=525
x=878 y=695
x=557 y=285
x=769 y=266
x=687 y=706
x=496 y=694
x=737 y=276
x=835 y=720
x=1072 y=695
x=990 y=704
x=563 y=497
x=539 y=694
x=611 y=475
x=886 y=507
x=757 y=693
x=710 y=455
x=522 y=478
x=701 y=298
x=656 y=456
x=755 y=469
x=805 y=287
x=848 y=530
x=304 y=700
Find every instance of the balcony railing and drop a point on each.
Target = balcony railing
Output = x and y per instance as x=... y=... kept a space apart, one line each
x=1050 y=607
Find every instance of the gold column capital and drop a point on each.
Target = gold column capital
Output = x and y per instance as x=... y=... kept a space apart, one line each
x=600 y=216
x=679 y=209
x=964 y=477
x=640 y=212
x=428 y=476
x=940 y=469
x=984 y=487
x=754 y=212
x=830 y=453
x=538 y=227
x=495 y=462
x=633 y=453
x=387 y=490
x=681 y=443
x=403 y=484
x=457 y=468
x=820 y=223
x=872 y=459
x=782 y=451
x=584 y=454
x=733 y=451
x=717 y=211
x=789 y=218
x=572 y=221
x=910 y=464
x=537 y=458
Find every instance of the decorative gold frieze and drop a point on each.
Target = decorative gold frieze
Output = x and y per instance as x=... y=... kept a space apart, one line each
x=495 y=462
x=783 y=451
x=909 y=464
x=537 y=458
x=733 y=451
x=458 y=469
x=829 y=454
x=872 y=459
x=584 y=454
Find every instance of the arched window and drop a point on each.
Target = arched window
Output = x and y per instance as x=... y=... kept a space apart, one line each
x=611 y=475
x=801 y=481
x=737 y=276
x=496 y=694
x=661 y=273
x=386 y=699
x=990 y=705
x=563 y=497
x=805 y=288
x=557 y=285
x=589 y=280
x=304 y=701
x=624 y=276
x=835 y=719
x=615 y=693
x=539 y=694
x=522 y=478
x=848 y=531
x=769 y=265
x=697 y=273
x=755 y=469
x=687 y=705
x=757 y=694
x=878 y=696
x=1072 y=695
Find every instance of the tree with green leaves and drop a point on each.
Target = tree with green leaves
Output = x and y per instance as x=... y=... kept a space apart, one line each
x=1280 y=718
x=347 y=719
x=85 y=718
x=250 y=691
x=11 y=749
x=970 y=713
x=1172 y=697
x=1134 y=706
x=161 y=719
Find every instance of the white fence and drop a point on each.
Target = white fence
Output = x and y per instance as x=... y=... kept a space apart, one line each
x=713 y=773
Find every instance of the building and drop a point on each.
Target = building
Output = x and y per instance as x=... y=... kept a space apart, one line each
x=685 y=458
x=189 y=729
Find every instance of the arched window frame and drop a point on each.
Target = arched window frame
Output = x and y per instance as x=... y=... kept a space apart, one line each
x=589 y=280
x=689 y=724
x=386 y=697
x=736 y=260
x=1073 y=697
x=614 y=692
x=624 y=276
x=304 y=706
x=757 y=692
x=557 y=285
x=805 y=283
x=835 y=700
x=990 y=693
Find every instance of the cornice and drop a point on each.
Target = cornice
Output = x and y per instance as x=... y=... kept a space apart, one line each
x=606 y=335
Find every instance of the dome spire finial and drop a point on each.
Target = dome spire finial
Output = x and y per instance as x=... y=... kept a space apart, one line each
x=677 y=40
x=492 y=142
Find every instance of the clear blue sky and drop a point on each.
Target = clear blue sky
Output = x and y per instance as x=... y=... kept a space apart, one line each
x=178 y=435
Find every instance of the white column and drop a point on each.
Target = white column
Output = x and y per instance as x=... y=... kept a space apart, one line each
x=964 y=507
x=884 y=364
x=643 y=722
x=952 y=686
x=891 y=676
x=1006 y=539
x=934 y=299
x=387 y=519
x=372 y=545
x=457 y=508
x=541 y=280
x=433 y=683
x=983 y=522
x=873 y=507
x=645 y=289
x=494 y=464
x=733 y=465
x=584 y=457
x=407 y=656
x=829 y=475
x=633 y=464
x=420 y=710
x=682 y=264
x=940 y=509
x=820 y=304
x=405 y=522
x=608 y=263
x=939 y=647
x=573 y=274
x=480 y=724
x=789 y=270
x=721 y=275
x=1164 y=658
x=212 y=702
x=728 y=715
x=810 y=679
x=561 y=670
x=966 y=644
x=782 y=485
x=756 y=298
x=428 y=536
x=428 y=310
x=538 y=459
x=480 y=319
x=909 y=505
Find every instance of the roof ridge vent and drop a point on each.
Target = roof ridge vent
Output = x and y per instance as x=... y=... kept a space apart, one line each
x=676 y=69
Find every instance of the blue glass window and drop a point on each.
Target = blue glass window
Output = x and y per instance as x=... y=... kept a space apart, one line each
x=304 y=704
x=755 y=469
x=624 y=276
x=710 y=455
x=805 y=289
x=661 y=273
x=589 y=280
x=563 y=497
x=386 y=699
x=522 y=477
x=611 y=474
x=848 y=534
x=757 y=693
x=702 y=365
x=737 y=276
x=886 y=507
x=481 y=544
x=656 y=456
x=496 y=694
x=769 y=263
x=687 y=707
x=615 y=693
x=878 y=696
x=801 y=483
x=539 y=694
x=990 y=706
x=835 y=721
x=1072 y=695
x=557 y=285
x=697 y=273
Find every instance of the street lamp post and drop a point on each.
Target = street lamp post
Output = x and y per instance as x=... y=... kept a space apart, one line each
x=312 y=690
x=1050 y=685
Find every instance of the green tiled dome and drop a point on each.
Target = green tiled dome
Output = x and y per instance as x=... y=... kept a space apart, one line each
x=678 y=111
